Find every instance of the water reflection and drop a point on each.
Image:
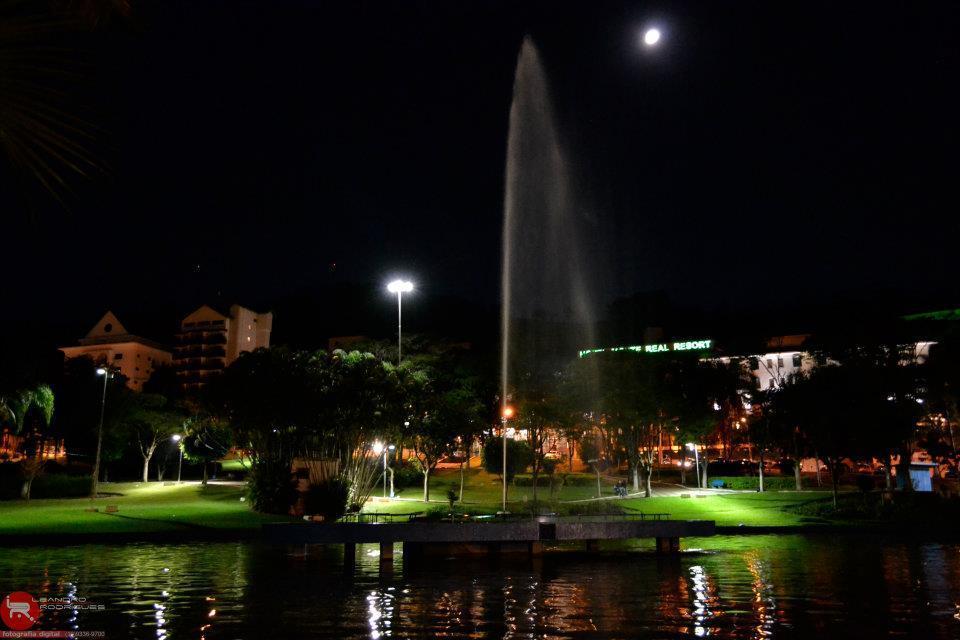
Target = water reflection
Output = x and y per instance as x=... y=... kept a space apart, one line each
x=764 y=604
x=749 y=587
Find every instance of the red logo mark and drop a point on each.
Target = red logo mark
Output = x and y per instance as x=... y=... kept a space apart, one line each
x=20 y=611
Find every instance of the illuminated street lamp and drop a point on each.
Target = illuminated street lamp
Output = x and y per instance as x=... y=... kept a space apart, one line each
x=505 y=415
x=380 y=448
x=691 y=445
x=177 y=438
x=399 y=287
x=385 y=469
x=106 y=373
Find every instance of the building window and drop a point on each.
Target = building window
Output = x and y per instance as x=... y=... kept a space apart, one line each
x=779 y=361
x=797 y=360
x=118 y=356
x=769 y=363
x=754 y=364
x=107 y=328
x=770 y=384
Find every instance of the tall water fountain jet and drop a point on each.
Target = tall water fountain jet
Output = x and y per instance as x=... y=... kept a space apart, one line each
x=547 y=311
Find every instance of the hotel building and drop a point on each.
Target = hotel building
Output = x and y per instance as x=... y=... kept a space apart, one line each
x=110 y=344
x=210 y=340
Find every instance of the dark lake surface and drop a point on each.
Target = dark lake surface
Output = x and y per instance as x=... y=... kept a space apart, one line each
x=793 y=586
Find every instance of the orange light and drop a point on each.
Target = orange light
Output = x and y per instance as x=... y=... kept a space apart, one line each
x=507 y=412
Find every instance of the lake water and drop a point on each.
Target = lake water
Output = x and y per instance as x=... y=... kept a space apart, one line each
x=733 y=587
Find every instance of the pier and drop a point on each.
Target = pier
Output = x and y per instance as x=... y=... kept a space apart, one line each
x=509 y=536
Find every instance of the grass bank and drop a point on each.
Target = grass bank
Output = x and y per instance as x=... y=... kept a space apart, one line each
x=153 y=508
x=159 y=511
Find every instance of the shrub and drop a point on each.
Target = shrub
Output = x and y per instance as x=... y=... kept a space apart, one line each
x=10 y=481
x=519 y=457
x=270 y=487
x=752 y=483
x=406 y=476
x=526 y=480
x=46 y=485
x=59 y=485
x=328 y=499
x=865 y=483
x=580 y=480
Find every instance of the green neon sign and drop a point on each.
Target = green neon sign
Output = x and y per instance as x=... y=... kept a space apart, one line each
x=657 y=347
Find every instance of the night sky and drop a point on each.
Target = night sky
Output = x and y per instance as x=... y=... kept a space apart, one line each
x=767 y=156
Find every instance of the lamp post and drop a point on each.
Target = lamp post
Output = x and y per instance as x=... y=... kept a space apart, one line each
x=177 y=438
x=385 y=469
x=378 y=448
x=105 y=372
x=400 y=287
x=505 y=415
x=696 y=455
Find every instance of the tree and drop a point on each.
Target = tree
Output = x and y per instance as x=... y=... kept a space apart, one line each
x=150 y=421
x=840 y=409
x=17 y=405
x=267 y=397
x=537 y=413
x=698 y=395
x=519 y=457
x=441 y=403
x=328 y=407
x=944 y=379
x=205 y=440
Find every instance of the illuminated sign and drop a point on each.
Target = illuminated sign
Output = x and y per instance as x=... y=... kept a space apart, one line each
x=657 y=347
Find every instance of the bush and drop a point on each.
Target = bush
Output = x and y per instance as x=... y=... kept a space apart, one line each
x=752 y=483
x=406 y=476
x=865 y=483
x=46 y=485
x=58 y=485
x=580 y=480
x=328 y=499
x=569 y=480
x=526 y=480
x=11 y=480
x=519 y=457
x=270 y=487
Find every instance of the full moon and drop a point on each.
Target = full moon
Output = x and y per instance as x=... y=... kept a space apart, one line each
x=651 y=37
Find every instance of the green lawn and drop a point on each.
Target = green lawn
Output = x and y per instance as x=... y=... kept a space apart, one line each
x=732 y=509
x=482 y=494
x=158 y=508
x=481 y=488
x=142 y=508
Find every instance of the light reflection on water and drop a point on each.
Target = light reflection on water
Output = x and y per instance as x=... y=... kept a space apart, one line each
x=739 y=587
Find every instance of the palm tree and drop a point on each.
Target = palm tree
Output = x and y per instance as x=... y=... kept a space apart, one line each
x=15 y=405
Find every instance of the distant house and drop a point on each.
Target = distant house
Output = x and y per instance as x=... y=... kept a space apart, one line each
x=210 y=340
x=109 y=343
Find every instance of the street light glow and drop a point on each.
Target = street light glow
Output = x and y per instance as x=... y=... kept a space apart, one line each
x=176 y=437
x=101 y=371
x=400 y=286
x=507 y=412
x=378 y=447
x=651 y=37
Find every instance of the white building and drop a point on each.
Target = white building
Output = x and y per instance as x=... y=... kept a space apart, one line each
x=210 y=340
x=109 y=343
